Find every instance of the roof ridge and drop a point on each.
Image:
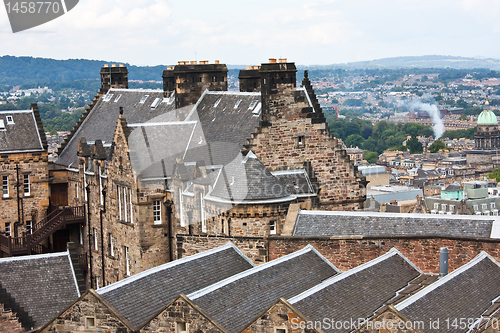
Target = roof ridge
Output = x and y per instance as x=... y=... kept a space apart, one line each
x=34 y=256
x=412 y=299
x=342 y=276
x=163 y=267
x=248 y=272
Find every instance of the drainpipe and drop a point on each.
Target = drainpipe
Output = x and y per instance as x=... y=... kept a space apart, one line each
x=18 y=202
x=102 y=211
x=87 y=188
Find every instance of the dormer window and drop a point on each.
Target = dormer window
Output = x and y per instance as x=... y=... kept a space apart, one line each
x=143 y=99
x=10 y=120
x=2 y=125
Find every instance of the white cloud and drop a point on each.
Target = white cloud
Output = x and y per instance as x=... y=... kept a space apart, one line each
x=321 y=31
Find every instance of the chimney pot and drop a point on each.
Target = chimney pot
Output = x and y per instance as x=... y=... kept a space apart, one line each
x=113 y=65
x=216 y=62
x=249 y=67
x=272 y=60
x=105 y=65
x=121 y=65
x=194 y=62
x=443 y=261
x=282 y=60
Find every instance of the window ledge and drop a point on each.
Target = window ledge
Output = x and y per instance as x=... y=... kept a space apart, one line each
x=7 y=198
x=163 y=225
x=130 y=224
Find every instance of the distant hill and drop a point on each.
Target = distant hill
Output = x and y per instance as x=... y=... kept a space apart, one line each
x=430 y=61
x=29 y=70
x=37 y=71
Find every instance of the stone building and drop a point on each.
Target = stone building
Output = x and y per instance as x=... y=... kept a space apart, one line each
x=196 y=159
x=25 y=181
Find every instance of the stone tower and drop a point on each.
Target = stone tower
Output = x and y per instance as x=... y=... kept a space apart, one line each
x=189 y=79
x=118 y=75
x=250 y=79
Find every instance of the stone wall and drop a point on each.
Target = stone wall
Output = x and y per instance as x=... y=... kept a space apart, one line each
x=88 y=306
x=181 y=311
x=36 y=203
x=9 y=323
x=255 y=248
x=279 y=316
x=347 y=253
x=289 y=137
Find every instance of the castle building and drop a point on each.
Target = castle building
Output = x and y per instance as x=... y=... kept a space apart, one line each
x=196 y=160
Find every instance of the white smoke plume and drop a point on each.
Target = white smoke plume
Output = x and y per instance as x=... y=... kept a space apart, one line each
x=433 y=112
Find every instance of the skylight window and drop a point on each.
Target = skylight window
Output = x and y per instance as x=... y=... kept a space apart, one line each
x=257 y=109
x=10 y=120
x=143 y=99
x=107 y=97
x=117 y=98
x=2 y=125
x=238 y=102
x=253 y=104
x=155 y=103
x=217 y=102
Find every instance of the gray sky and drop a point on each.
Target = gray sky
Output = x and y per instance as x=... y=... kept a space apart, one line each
x=154 y=32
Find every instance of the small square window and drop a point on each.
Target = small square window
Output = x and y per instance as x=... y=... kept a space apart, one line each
x=281 y=330
x=90 y=322
x=301 y=140
x=272 y=227
x=10 y=120
x=181 y=328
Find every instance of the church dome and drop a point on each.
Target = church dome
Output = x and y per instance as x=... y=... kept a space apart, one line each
x=487 y=117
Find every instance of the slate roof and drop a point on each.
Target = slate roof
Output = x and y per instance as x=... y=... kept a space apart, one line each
x=228 y=117
x=155 y=146
x=295 y=182
x=453 y=187
x=102 y=119
x=399 y=196
x=43 y=285
x=20 y=135
x=323 y=223
x=465 y=293
x=357 y=293
x=140 y=297
x=248 y=180
x=238 y=300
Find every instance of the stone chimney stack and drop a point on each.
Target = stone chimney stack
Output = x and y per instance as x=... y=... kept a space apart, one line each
x=277 y=79
x=113 y=76
x=250 y=79
x=189 y=79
